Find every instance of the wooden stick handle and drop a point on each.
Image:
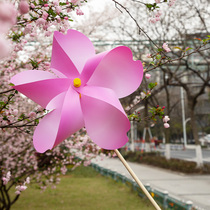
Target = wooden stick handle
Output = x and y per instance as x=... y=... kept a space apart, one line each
x=137 y=180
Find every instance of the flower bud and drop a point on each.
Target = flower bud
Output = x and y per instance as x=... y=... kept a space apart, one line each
x=23 y=7
x=147 y=75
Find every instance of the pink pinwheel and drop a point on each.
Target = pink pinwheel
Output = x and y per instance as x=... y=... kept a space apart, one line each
x=83 y=92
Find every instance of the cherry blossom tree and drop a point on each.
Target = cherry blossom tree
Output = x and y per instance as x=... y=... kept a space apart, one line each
x=25 y=40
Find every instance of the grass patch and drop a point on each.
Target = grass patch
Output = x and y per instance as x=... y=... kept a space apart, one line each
x=83 y=189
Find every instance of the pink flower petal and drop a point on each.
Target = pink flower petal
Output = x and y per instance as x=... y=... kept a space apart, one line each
x=61 y=123
x=105 y=120
x=39 y=86
x=118 y=71
x=78 y=48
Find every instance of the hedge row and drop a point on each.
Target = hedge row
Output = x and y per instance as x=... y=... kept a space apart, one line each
x=155 y=159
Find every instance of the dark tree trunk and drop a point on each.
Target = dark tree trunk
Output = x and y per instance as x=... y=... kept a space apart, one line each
x=167 y=131
x=191 y=107
x=146 y=124
x=167 y=110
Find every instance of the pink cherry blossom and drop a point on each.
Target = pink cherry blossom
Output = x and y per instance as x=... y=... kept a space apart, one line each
x=152 y=20
x=166 y=125
x=84 y=91
x=48 y=33
x=22 y=188
x=166 y=48
x=76 y=2
x=157 y=18
x=32 y=6
x=7 y=178
x=28 y=28
x=58 y=9
x=27 y=180
x=23 y=7
x=58 y=19
x=44 y=15
x=147 y=75
x=33 y=34
x=32 y=115
x=171 y=3
x=79 y=12
x=158 y=13
x=40 y=21
x=15 y=112
x=17 y=192
x=166 y=119
x=10 y=118
x=63 y=170
x=143 y=95
x=56 y=2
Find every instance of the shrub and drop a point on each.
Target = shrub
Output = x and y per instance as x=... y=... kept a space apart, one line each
x=155 y=159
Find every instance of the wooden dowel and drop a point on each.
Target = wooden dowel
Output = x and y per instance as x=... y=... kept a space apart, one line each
x=137 y=179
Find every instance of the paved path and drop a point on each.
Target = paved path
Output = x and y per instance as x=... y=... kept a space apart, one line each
x=195 y=188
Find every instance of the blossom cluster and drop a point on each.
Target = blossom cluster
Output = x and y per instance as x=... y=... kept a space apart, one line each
x=6 y=178
x=28 y=17
x=156 y=17
x=18 y=117
x=155 y=9
x=24 y=25
x=22 y=187
x=171 y=2
x=165 y=120
x=166 y=48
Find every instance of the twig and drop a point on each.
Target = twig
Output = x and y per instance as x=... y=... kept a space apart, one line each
x=198 y=49
x=7 y=91
x=23 y=125
x=131 y=16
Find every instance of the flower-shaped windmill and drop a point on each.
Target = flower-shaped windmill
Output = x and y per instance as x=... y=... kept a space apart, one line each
x=82 y=92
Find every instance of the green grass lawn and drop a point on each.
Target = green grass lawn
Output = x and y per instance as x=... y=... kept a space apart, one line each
x=83 y=189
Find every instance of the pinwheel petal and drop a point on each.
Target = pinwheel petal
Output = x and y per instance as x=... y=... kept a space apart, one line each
x=61 y=64
x=105 y=121
x=90 y=66
x=46 y=132
x=40 y=86
x=71 y=116
x=118 y=71
x=78 y=48
x=60 y=123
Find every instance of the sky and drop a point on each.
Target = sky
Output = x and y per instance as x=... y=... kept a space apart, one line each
x=96 y=5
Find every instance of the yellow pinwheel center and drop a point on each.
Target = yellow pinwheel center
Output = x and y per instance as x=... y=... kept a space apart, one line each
x=77 y=82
